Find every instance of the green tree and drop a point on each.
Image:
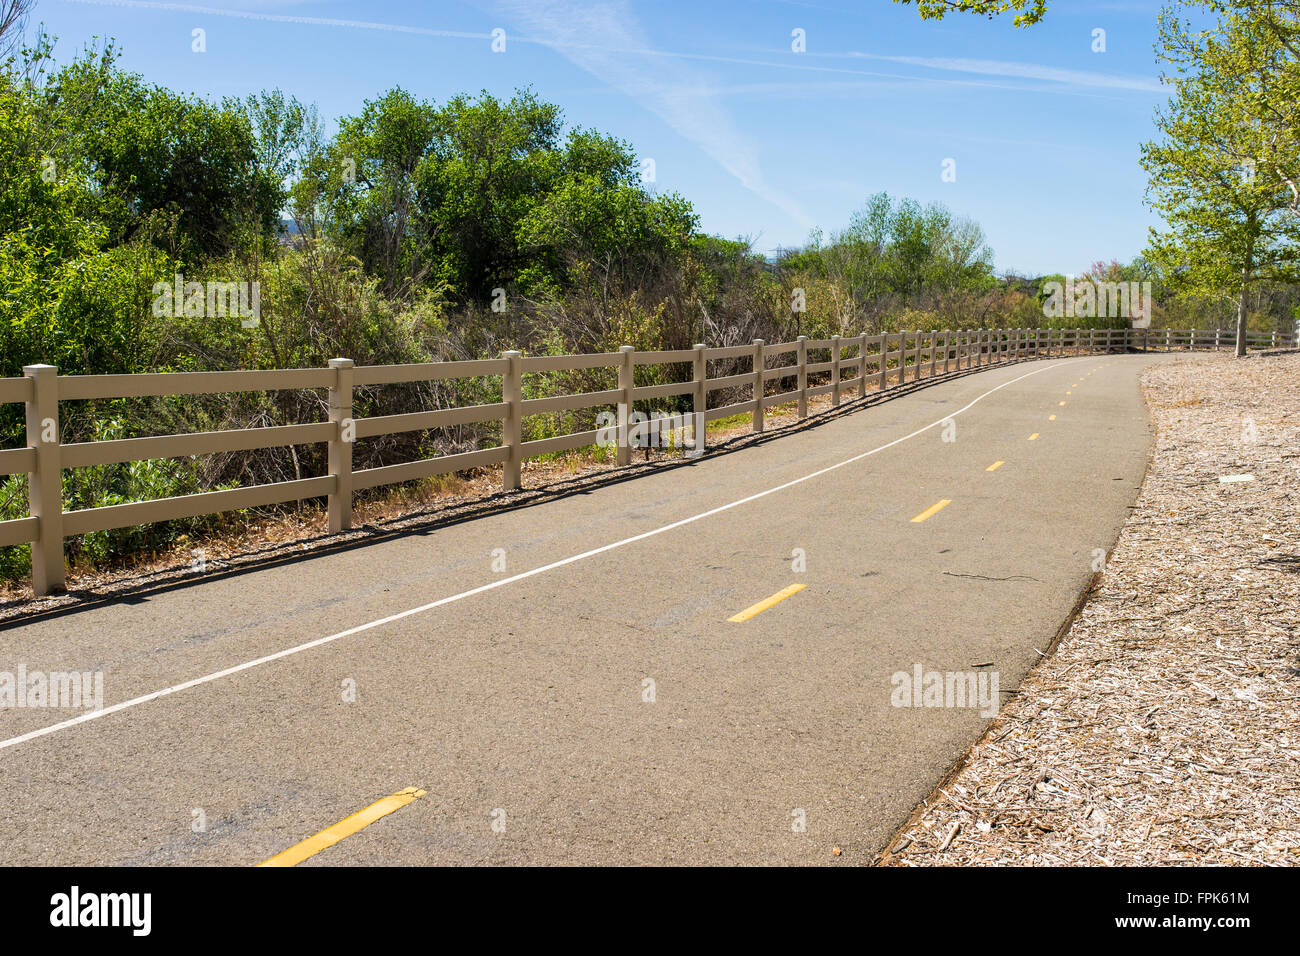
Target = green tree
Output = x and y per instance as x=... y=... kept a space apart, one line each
x=1225 y=205
x=1028 y=12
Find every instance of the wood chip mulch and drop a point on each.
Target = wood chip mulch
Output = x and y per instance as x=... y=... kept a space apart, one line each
x=1165 y=729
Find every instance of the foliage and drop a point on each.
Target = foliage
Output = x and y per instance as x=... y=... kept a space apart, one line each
x=1033 y=10
x=1211 y=179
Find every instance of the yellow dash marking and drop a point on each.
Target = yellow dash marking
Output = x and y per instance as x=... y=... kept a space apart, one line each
x=995 y=466
x=1062 y=403
x=1034 y=437
x=933 y=510
x=1069 y=393
x=763 y=605
x=344 y=828
x=1051 y=418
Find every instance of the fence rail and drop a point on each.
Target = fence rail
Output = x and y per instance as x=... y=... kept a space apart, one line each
x=851 y=363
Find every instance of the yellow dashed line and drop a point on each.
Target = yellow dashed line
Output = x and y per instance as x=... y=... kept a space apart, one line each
x=1051 y=418
x=766 y=603
x=932 y=510
x=1062 y=403
x=1034 y=437
x=995 y=466
x=344 y=828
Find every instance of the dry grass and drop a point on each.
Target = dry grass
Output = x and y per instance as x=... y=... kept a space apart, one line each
x=1166 y=727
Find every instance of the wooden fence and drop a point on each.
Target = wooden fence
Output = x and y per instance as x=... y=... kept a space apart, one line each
x=861 y=363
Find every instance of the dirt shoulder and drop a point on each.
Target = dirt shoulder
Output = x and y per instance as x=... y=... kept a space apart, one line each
x=1165 y=729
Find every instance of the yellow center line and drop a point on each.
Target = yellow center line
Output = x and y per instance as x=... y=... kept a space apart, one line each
x=1062 y=403
x=344 y=828
x=763 y=605
x=1034 y=437
x=1051 y=418
x=995 y=466
x=932 y=510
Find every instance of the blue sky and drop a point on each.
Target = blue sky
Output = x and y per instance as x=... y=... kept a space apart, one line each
x=766 y=142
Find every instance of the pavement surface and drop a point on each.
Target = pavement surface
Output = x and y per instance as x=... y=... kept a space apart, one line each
x=563 y=681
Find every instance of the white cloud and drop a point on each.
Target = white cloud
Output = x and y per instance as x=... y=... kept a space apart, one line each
x=606 y=40
x=1024 y=71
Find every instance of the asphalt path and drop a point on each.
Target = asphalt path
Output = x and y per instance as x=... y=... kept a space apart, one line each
x=564 y=682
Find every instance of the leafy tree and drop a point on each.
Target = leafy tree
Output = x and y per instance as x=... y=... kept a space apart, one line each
x=1033 y=10
x=1225 y=205
x=153 y=150
x=481 y=194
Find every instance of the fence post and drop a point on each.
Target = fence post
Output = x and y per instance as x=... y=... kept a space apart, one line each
x=340 y=447
x=1273 y=340
x=45 y=482
x=802 y=355
x=512 y=425
x=835 y=370
x=701 y=394
x=916 y=363
x=625 y=384
x=884 y=365
x=934 y=351
x=758 y=385
x=862 y=365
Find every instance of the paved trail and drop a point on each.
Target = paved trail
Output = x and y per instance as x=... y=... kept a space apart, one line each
x=515 y=698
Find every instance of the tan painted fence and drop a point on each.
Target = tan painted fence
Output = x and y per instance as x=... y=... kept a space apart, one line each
x=855 y=362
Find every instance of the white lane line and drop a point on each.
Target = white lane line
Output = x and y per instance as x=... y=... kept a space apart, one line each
x=318 y=642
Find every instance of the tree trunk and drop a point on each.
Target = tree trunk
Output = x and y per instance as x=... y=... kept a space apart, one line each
x=1241 y=300
x=1241 y=322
